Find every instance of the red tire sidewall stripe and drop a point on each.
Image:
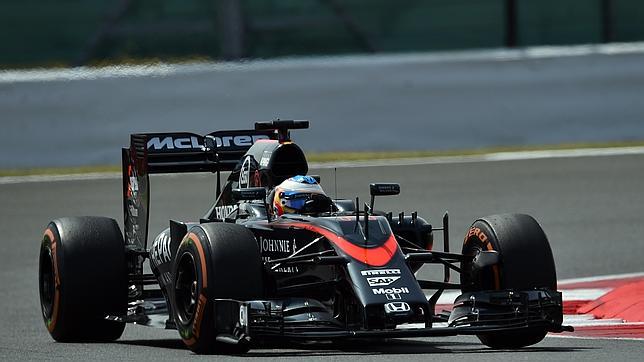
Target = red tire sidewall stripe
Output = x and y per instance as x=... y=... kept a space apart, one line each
x=51 y=323
x=201 y=303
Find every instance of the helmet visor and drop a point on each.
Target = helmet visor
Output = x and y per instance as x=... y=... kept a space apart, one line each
x=294 y=200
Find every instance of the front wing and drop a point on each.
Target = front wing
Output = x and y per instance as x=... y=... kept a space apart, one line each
x=473 y=314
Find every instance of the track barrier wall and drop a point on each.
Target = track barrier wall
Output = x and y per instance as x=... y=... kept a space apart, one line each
x=77 y=32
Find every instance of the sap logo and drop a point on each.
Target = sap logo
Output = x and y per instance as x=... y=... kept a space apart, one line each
x=161 y=252
x=397 y=307
x=170 y=143
x=380 y=272
x=380 y=291
x=381 y=281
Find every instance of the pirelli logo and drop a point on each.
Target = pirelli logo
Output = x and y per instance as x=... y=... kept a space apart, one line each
x=378 y=272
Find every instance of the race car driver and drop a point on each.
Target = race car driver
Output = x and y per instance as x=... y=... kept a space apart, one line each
x=300 y=195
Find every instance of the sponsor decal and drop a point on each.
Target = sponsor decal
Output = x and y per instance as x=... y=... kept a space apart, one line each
x=275 y=245
x=277 y=249
x=383 y=291
x=397 y=307
x=243 y=315
x=381 y=281
x=161 y=252
x=133 y=185
x=244 y=173
x=170 y=143
x=380 y=271
x=478 y=233
x=266 y=158
x=193 y=142
x=282 y=269
x=393 y=296
x=135 y=196
x=223 y=211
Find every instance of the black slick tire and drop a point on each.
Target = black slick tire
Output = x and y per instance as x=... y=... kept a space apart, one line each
x=213 y=261
x=82 y=278
x=526 y=263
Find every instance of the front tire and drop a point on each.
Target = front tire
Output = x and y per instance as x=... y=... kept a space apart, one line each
x=82 y=278
x=213 y=261
x=526 y=263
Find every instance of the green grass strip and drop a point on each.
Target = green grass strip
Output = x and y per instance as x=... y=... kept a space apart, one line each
x=319 y=157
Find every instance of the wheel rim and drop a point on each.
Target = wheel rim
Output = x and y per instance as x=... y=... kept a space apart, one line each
x=471 y=279
x=186 y=288
x=47 y=284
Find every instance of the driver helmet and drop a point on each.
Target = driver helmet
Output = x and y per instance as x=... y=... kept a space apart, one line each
x=300 y=195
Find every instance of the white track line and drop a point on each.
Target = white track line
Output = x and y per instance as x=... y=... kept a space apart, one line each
x=601 y=278
x=489 y=157
x=571 y=336
x=53 y=178
x=166 y=69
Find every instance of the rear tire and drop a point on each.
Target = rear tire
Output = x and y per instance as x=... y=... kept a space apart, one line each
x=526 y=263
x=82 y=278
x=213 y=261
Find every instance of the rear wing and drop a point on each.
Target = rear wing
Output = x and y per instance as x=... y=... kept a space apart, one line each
x=155 y=153
x=189 y=152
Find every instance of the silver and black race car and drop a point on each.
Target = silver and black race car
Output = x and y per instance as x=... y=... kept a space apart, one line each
x=243 y=274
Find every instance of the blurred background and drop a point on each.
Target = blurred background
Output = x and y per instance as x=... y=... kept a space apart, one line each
x=80 y=32
x=77 y=77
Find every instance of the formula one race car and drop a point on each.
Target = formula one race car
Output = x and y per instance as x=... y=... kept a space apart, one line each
x=268 y=262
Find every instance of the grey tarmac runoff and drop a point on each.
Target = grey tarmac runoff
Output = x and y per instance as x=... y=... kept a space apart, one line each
x=592 y=209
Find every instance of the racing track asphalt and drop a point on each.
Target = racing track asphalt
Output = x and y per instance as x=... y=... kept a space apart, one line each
x=383 y=102
x=591 y=208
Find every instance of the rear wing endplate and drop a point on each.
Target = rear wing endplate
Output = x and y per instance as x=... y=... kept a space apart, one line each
x=155 y=153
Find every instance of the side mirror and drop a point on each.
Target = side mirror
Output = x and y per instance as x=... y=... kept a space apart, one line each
x=384 y=189
x=251 y=193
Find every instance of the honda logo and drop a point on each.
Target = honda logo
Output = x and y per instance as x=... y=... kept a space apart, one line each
x=397 y=307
